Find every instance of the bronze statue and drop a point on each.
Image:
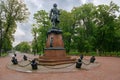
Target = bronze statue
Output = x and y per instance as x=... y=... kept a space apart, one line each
x=51 y=42
x=54 y=15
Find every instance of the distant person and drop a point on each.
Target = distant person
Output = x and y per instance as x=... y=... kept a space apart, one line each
x=34 y=52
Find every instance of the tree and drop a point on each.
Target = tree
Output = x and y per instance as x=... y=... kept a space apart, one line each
x=34 y=42
x=40 y=27
x=85 y=27
x=23 y=47
x=106 y=30
x=13 y=11
x=67 y=26
x=1 y=26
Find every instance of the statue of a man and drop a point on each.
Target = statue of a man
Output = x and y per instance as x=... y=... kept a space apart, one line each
x=51 y=42
x=54 y=15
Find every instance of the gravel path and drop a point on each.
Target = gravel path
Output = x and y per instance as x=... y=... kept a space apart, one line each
x=108 y=70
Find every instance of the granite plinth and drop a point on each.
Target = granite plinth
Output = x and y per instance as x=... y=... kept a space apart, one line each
x=54 y=53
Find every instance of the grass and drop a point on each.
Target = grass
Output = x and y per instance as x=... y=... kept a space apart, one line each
x=4 y=54
x=95 y=54
x=116 y=54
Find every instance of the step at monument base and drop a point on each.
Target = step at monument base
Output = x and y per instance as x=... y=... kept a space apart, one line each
x=54 y=61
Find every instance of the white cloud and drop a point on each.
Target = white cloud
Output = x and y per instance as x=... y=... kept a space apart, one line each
x=107 y=2
x=83 y=1
x=19 y=32
x=38 y=3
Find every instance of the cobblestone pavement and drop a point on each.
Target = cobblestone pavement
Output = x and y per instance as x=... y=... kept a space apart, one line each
x=108 y=70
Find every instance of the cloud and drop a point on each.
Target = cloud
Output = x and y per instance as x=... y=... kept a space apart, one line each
x=107 y=2
x=23 y=33
x=86 y=1
x=19 y=32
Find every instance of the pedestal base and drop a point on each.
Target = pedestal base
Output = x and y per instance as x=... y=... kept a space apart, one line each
x=52 y=62
x=55 y=56
x=54 y=53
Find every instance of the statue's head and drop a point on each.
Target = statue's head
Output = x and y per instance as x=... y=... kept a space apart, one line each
x=55 y=5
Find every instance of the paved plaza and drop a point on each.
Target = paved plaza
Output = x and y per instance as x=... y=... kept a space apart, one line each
x=107 y=69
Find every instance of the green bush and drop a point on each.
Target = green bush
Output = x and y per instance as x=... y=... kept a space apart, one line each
x=3 y=54
x=84 y=53
x=73 y=53
x=95 y=54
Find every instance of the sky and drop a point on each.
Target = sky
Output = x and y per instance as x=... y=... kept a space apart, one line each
x=23 y=32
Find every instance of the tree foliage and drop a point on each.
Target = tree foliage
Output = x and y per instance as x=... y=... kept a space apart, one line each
x=106 y=27
x=11 y=12
x=40 y=30
x=67 y=25
x=23 y=47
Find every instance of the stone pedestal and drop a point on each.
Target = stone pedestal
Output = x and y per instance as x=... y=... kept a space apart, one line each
x=54 y=52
